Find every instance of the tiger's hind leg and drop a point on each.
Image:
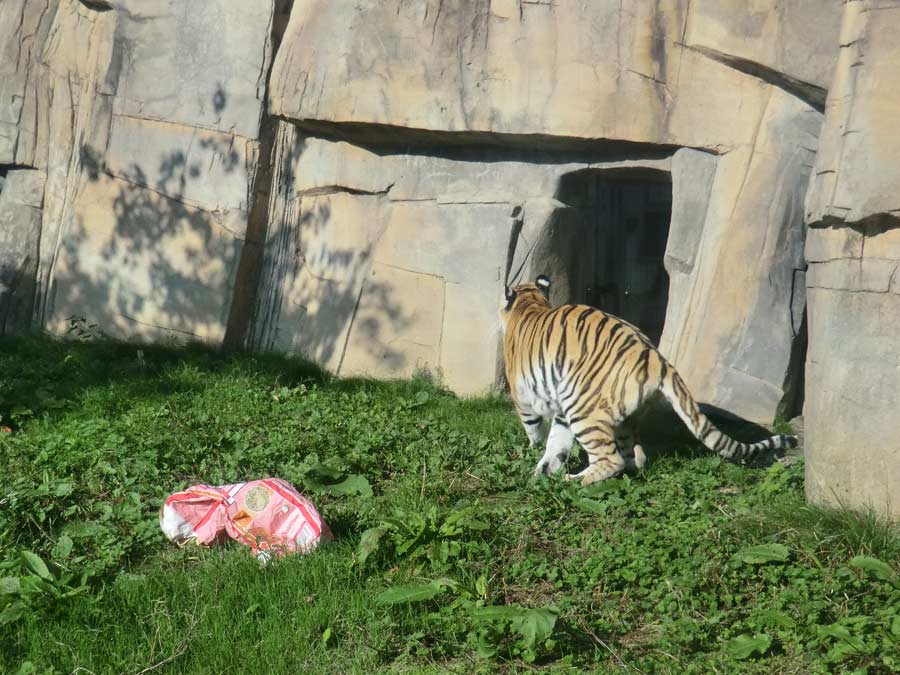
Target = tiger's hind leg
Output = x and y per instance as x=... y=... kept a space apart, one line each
x=598 y=438
x=629 y=446
x=559 y=444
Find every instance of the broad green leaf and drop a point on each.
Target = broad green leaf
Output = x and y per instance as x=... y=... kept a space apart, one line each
x=847 y=643
x=75 y=591
x=27 y=668
x=534 y=626
x=485 y=649
x=351 y=485
x=12 y=613
x=878 y=568
x=764 y=553
x=325 y=471
x=9 y=585
x=744 y=646
x=592 y=505
x=421 y=399
x=64 y=489
x=368 y=543
x=399 y=594
x=834 y=630
x=481 y=584
x=774 y=618
x=36 y=566
x=409 y=542
x=63 y=547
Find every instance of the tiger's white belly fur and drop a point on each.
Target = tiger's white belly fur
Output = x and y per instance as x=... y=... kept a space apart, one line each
x=542 y=403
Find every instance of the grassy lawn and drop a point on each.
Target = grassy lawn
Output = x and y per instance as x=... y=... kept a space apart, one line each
x=449 y=556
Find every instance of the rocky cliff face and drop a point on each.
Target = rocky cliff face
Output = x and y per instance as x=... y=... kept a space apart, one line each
x=334 y=178
x=145 y=119
x=387 y=89
x=853 y=250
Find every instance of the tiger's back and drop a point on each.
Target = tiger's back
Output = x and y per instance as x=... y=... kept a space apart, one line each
x=575 y=357
x=590 y=371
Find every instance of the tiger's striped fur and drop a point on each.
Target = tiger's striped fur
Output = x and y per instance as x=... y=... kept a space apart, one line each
x=589 y=371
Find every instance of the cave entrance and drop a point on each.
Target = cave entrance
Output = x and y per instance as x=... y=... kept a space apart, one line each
x=617 y=262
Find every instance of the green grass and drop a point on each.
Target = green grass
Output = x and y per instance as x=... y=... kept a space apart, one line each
x=449 y=556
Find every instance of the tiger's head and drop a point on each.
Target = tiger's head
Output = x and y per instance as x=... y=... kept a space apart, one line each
x=517 y=298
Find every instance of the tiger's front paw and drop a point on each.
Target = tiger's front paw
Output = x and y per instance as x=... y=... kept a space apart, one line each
x=550 y=465
x=585 y=479
x=543 y=468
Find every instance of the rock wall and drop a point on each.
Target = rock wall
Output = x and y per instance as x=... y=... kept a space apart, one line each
x=384 y=262
x=387 y=88
x=21 y=196
x=149 y=140
x=335 y=178
x=853 y=249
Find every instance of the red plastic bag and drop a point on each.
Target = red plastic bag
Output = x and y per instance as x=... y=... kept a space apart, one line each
x=268 y=515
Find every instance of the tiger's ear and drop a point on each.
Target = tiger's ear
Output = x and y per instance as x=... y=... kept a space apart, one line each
x=543 y=282
x=510 y=296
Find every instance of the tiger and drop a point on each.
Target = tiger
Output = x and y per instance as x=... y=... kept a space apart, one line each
x=589 y=372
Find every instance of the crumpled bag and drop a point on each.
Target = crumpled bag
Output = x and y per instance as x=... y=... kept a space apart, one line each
x=268 y=515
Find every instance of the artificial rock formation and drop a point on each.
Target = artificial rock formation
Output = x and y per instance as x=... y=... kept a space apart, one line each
x=147 y=130
x=388 y=91
x=853 y=251
x=334 y=178
x=21 y=195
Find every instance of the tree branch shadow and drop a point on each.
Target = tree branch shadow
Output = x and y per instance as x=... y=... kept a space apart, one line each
x=152 y=254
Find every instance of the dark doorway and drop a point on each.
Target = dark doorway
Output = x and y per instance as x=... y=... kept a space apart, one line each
x=625 y=217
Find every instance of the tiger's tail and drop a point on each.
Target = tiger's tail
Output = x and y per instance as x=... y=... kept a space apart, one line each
x=675 y=391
